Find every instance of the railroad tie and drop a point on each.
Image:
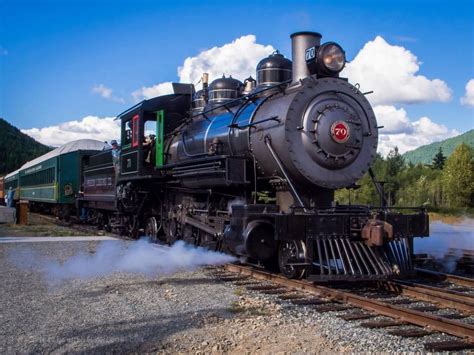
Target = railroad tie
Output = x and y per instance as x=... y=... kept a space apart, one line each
x=291 y=296
x=332 y=307
x=450 y=345
x=455 y=316
x=402 y=301
x=278 y=291
x=409 y=333
x=264 y=287
x=356 y=316
x=309 y=301
x=231 y=278
x=425 y=308
x=382 y=324
x=247 y=283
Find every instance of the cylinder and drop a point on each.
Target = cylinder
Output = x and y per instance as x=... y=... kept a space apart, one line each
x=300 y=41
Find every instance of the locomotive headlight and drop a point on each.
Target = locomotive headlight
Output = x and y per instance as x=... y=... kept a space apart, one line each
x=331 y=57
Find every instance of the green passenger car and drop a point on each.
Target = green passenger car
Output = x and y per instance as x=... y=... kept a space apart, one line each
x=56 y=176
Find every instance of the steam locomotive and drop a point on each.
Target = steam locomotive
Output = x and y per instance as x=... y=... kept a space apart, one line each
x=250 y=168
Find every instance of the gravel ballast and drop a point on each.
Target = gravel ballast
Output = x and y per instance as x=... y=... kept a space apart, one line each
x=188 y=311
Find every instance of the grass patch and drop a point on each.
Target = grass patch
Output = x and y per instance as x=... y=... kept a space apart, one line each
x=39 y=230
x=236 y=308
x=239 y=291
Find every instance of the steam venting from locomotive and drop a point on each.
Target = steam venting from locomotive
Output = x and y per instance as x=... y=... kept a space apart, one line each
x=448 y=243
x=139 y=257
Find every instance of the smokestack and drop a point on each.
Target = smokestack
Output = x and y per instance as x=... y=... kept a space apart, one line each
x=300 y=41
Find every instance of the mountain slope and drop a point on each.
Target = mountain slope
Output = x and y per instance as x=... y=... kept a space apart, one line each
x=16 y=148
x=425 y=154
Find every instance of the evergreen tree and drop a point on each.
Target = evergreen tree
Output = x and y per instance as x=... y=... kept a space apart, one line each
x=458 y=177
x=394 y=164
x=16 y=148
x=439 y=160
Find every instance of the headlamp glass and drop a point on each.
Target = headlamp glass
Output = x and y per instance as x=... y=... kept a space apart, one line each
x=332 y=57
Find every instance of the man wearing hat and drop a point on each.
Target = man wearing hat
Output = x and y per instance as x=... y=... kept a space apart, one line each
x=115 y=157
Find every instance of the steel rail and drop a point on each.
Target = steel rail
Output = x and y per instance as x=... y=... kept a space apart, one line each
x=438 y=323
x=444 y=298
x=455 y=279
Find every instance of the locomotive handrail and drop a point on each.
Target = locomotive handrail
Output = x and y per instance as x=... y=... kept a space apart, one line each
x=208 y=158
x=253 y=124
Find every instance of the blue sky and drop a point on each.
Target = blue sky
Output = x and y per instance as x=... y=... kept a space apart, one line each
x=53 y=53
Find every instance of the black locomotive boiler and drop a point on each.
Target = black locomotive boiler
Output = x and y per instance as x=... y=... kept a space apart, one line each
x=251 y=168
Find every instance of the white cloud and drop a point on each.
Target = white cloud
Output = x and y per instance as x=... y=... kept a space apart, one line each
x=106 y=93
x=468 y=98
x=392 y=119
x=89 y=127
x=153 y=91
x=400 y=132
x=238 y=58
x=391 y=72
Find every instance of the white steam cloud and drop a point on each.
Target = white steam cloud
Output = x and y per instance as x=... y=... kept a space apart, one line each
x=447 y=242
x=140 y=257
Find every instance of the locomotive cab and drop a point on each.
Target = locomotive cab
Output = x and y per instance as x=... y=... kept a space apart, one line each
x=143 y=130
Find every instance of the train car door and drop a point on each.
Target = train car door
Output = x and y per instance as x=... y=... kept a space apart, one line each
x=129 y=159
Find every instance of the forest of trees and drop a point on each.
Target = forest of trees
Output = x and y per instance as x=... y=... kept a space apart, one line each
x=447 y=184
x=425 y=154
x=16 y=148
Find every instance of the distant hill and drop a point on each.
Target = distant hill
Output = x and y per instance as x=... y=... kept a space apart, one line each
x=16 y=148
x=425 y=154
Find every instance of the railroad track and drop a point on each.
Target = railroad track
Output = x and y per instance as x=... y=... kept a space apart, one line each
x=334 y=299
x=444 y=298
x=458 y=280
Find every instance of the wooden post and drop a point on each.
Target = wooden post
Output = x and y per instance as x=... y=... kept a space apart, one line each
x=22 y=209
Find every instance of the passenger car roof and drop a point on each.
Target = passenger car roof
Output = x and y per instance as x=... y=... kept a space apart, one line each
x=81 y=144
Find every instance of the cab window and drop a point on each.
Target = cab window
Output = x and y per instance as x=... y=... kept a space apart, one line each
x=127 y=134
